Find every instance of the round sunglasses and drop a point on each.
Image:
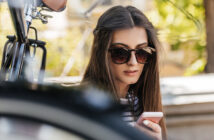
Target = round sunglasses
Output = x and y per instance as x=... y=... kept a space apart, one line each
x=120 y=55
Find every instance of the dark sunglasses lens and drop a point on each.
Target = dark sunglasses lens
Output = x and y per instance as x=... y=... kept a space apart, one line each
x=119 y=55
x=141 y=56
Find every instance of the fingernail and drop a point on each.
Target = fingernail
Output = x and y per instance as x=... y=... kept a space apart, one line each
x=146 y=122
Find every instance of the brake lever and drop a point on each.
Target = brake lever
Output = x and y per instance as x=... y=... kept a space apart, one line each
x=44 y=18
x=41 y=16
x=46 y=9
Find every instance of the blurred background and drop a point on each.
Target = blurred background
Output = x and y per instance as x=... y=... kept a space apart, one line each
x=186 y=31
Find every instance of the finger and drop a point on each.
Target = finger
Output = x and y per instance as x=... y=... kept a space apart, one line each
x=140 y=120
x=148 y=132
x=143 y=129
x=155 y=127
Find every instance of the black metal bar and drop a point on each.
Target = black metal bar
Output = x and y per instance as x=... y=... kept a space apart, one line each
x=4 y=53
x=42 y=68
x=18 y=67
x=14 y=54
x=16 y=10
x=40 y=44
x=36 y=36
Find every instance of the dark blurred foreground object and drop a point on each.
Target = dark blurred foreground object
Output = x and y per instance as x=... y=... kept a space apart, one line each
x=47 y=112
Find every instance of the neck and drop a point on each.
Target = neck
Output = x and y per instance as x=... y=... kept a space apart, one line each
x=122 y=89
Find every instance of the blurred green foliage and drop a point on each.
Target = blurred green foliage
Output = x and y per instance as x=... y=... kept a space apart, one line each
x=180 y=23
x=196 y=67
x=63 y=48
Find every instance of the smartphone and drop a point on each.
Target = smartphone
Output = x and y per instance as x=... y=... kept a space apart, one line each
x=152 y=116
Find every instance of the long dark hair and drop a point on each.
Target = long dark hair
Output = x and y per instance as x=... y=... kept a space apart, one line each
x=148 y=86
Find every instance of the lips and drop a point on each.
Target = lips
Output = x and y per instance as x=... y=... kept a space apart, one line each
x=131 y=72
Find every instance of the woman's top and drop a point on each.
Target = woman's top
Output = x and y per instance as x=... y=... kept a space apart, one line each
x=132 y=109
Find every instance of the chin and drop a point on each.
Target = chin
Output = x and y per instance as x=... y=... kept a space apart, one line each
x=131 y=82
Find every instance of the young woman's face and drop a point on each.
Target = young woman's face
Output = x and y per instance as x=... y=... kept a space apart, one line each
x=130 y=71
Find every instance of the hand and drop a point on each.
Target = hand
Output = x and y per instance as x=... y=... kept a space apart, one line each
x=56 y=5
x=155 y=131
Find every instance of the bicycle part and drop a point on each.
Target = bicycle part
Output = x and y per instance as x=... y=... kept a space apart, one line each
x=40 y=44
x=14 y=54
x=6 y=57
x=11 y=40
x=36 y=36
x=35 y=130
x=43 y=17
x=18 y=67
x=34 y=44
x=17 y=14
x=42 y=68
x=89 y=115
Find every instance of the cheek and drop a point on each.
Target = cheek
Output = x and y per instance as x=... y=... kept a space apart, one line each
x=112 y=67
x=115 y=69
x=141 y=67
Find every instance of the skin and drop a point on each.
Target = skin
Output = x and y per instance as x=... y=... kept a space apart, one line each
x=56 y=5
x=129 y=73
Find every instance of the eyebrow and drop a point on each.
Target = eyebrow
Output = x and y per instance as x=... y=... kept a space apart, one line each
x=125 y=45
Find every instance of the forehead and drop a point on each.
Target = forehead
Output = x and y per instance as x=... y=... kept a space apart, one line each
x=131 y=37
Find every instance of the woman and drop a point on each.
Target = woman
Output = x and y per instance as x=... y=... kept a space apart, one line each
x=124 y=60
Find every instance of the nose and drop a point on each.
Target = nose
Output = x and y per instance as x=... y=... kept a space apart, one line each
x=133 y=59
